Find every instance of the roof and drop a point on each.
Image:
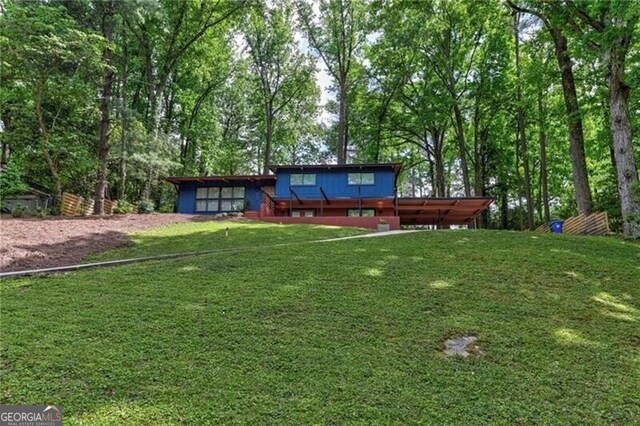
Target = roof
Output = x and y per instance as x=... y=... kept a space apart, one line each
x=395 y=166
x=230 y=178
x=444 y=211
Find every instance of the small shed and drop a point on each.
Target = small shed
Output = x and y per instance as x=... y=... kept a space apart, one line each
x=31 y=199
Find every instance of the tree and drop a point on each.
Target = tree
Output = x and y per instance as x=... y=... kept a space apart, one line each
x=283 y=73
x=609 y=29
x=47 y=53
x=522 y=137
x=551 y=15
x=337 y=36
x=105 y=104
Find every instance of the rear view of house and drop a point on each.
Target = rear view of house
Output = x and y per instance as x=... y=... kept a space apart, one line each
x=348 y=195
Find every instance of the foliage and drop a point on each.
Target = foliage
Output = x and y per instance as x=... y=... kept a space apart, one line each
x=352 y=334
x=19 y=211
x=146 y=206
x=124 y=207
x=11 y=180
x=225 y=87
x=48 y=70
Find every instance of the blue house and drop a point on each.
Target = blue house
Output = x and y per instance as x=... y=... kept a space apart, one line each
x=220 y=194
x=348 y=194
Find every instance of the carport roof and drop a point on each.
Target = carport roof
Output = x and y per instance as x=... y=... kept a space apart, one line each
x=441 y=211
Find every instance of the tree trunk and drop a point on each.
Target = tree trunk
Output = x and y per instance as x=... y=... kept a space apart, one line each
x=341 y=147
x=459 y=122
x=437 y=135
x=105 y=109
x=628 y=188
x=519 y=183
x=522 y=135
x=576 y=134
x=44 y=133
x=542 y=137
x=125 y=123
x=432 y=173
x=5 y=154
x=504 y=209
x=267 y=137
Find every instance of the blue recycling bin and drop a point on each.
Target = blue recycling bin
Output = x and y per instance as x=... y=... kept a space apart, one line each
x=556 y=226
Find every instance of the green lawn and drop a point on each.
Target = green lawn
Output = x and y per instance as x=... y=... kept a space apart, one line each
x=334 y=333
x=211 y=235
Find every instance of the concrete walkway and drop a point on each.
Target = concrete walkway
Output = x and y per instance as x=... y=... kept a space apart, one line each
x=70 y=268
x=371 y=235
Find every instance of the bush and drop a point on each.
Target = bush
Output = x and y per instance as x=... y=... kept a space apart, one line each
x=124 y=207
x=146 y=207
x=43 y=212
x=11 y=181
x=19 y=211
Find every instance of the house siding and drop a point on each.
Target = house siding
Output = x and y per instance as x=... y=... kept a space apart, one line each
x=334 y=182
x=187 y=195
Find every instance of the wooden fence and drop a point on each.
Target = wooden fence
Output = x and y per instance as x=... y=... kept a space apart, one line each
x=593 y=224
x=74 y=205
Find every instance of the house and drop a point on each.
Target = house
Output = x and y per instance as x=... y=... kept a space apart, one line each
x=344 y=195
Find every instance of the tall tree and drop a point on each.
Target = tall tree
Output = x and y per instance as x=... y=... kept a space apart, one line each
x=551 y=15
x=283 y=72
x=54 y=59
x=337 y=36
x=454 y=33
x=104 y=145
x=522 y=137
x=609 y=28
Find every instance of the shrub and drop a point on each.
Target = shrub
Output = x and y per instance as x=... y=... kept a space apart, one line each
x=19 y=211
x=124 y=207
x=146 y=207
x=11 y=181
x=43 y=212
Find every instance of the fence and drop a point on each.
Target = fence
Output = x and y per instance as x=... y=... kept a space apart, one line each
x=593 y=224
x=74 y=205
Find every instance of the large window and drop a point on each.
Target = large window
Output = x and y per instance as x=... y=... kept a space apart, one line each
x=306 y=179
x=215 y=199
x=207 y=199
x=365 y=212
x=361 y=178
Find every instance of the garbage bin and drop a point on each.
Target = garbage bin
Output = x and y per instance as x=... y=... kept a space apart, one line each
x=556 y=226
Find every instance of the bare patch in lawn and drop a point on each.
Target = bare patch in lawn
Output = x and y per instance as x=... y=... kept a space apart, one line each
x=464 y=346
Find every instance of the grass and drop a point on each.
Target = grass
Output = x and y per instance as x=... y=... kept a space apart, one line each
x=211 y=235
x=342 y=332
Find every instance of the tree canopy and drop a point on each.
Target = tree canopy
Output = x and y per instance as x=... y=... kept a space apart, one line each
x=534 y=103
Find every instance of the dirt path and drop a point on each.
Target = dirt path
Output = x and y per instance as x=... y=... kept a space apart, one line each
x=39 y=243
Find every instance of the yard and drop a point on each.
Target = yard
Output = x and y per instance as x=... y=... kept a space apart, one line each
x=339 y=332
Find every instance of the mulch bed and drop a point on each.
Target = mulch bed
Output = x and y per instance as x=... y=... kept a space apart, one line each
x=33 y=243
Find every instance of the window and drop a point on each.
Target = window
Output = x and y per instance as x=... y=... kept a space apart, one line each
x=307 y=179
x=365 y=212
x=207 y=199
x=228 y=199
x=361 y=178
x=302 y=213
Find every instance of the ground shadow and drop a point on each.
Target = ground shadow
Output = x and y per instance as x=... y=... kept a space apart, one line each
x=68 y=252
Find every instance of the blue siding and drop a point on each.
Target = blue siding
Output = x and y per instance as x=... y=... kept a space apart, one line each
x=187 y=195
x=335 y=185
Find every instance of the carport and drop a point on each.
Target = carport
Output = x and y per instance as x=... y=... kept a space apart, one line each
x=441 y=211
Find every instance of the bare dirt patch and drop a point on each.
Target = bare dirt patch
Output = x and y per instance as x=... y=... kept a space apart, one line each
x=59 y=241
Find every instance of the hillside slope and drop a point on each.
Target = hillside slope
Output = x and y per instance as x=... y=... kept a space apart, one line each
x=342 y=332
